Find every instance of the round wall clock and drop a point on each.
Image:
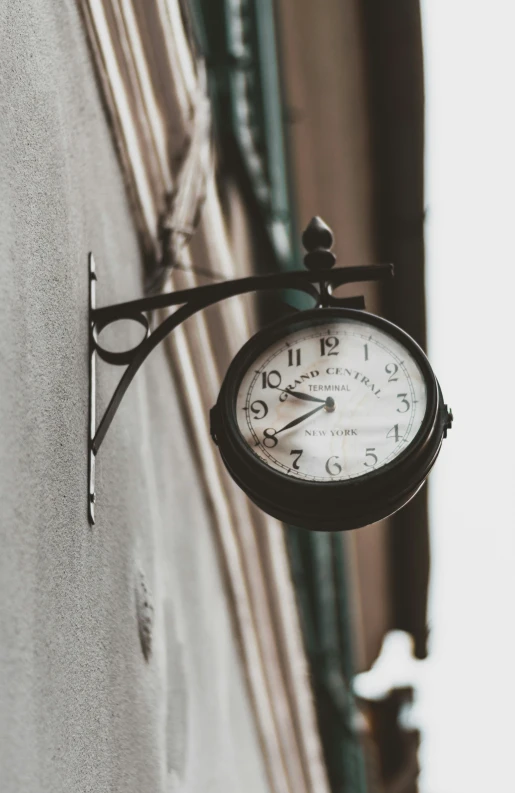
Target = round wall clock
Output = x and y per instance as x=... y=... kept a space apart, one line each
x=330 y=419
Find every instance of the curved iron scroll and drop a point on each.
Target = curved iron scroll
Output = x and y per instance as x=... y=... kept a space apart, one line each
x=317 y=284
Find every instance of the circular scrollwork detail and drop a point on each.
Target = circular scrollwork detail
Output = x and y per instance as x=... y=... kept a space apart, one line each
x=123 y=357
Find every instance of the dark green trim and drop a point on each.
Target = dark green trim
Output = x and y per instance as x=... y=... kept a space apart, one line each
x=239 y=37
x=241 y=53
x=319 y=574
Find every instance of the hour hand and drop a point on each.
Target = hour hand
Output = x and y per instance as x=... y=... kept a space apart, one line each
x=300 y=395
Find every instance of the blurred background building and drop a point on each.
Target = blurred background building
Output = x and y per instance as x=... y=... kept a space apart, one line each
x=183 y=142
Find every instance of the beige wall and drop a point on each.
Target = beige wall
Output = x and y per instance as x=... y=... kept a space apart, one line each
x=80 y=707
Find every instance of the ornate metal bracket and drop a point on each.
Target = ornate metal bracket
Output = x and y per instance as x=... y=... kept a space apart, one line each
x=317 y=281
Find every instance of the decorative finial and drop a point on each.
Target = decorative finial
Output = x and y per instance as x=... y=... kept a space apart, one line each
x=317 y=240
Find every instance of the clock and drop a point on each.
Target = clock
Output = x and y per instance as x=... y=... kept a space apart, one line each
x=330 y=419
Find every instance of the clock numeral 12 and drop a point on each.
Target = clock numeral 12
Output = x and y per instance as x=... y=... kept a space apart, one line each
x=297 y=357
x=331 y=343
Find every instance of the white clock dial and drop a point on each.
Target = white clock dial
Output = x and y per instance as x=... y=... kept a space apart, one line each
x=332 y=401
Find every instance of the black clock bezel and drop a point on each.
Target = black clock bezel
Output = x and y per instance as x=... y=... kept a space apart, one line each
x=337 y=504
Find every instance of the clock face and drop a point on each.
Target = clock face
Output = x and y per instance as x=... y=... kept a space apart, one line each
x=332 y=401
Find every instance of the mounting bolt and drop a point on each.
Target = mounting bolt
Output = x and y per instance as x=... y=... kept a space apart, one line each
x=213 y=415
x=448 y=421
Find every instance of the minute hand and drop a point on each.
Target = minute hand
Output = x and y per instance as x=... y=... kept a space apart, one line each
x=301 y=418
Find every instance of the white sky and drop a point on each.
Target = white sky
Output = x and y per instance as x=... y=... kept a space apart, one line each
x=466 y=690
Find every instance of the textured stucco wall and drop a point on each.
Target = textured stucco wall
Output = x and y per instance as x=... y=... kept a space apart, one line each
x=80 y=707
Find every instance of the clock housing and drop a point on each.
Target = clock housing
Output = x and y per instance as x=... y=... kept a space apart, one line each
x=356 y=495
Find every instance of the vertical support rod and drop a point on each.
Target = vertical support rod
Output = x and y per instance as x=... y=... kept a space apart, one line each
x=92 y=391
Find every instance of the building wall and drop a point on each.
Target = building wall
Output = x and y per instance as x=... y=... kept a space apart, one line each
x=80 y=706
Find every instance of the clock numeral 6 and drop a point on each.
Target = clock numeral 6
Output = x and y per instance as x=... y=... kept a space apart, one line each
x=404 y=402
x=269 y=435
x=330 y=343
x=299 y=453
x=259 y=409
x=370 y=453
x=333 y=469
x=271 y=379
